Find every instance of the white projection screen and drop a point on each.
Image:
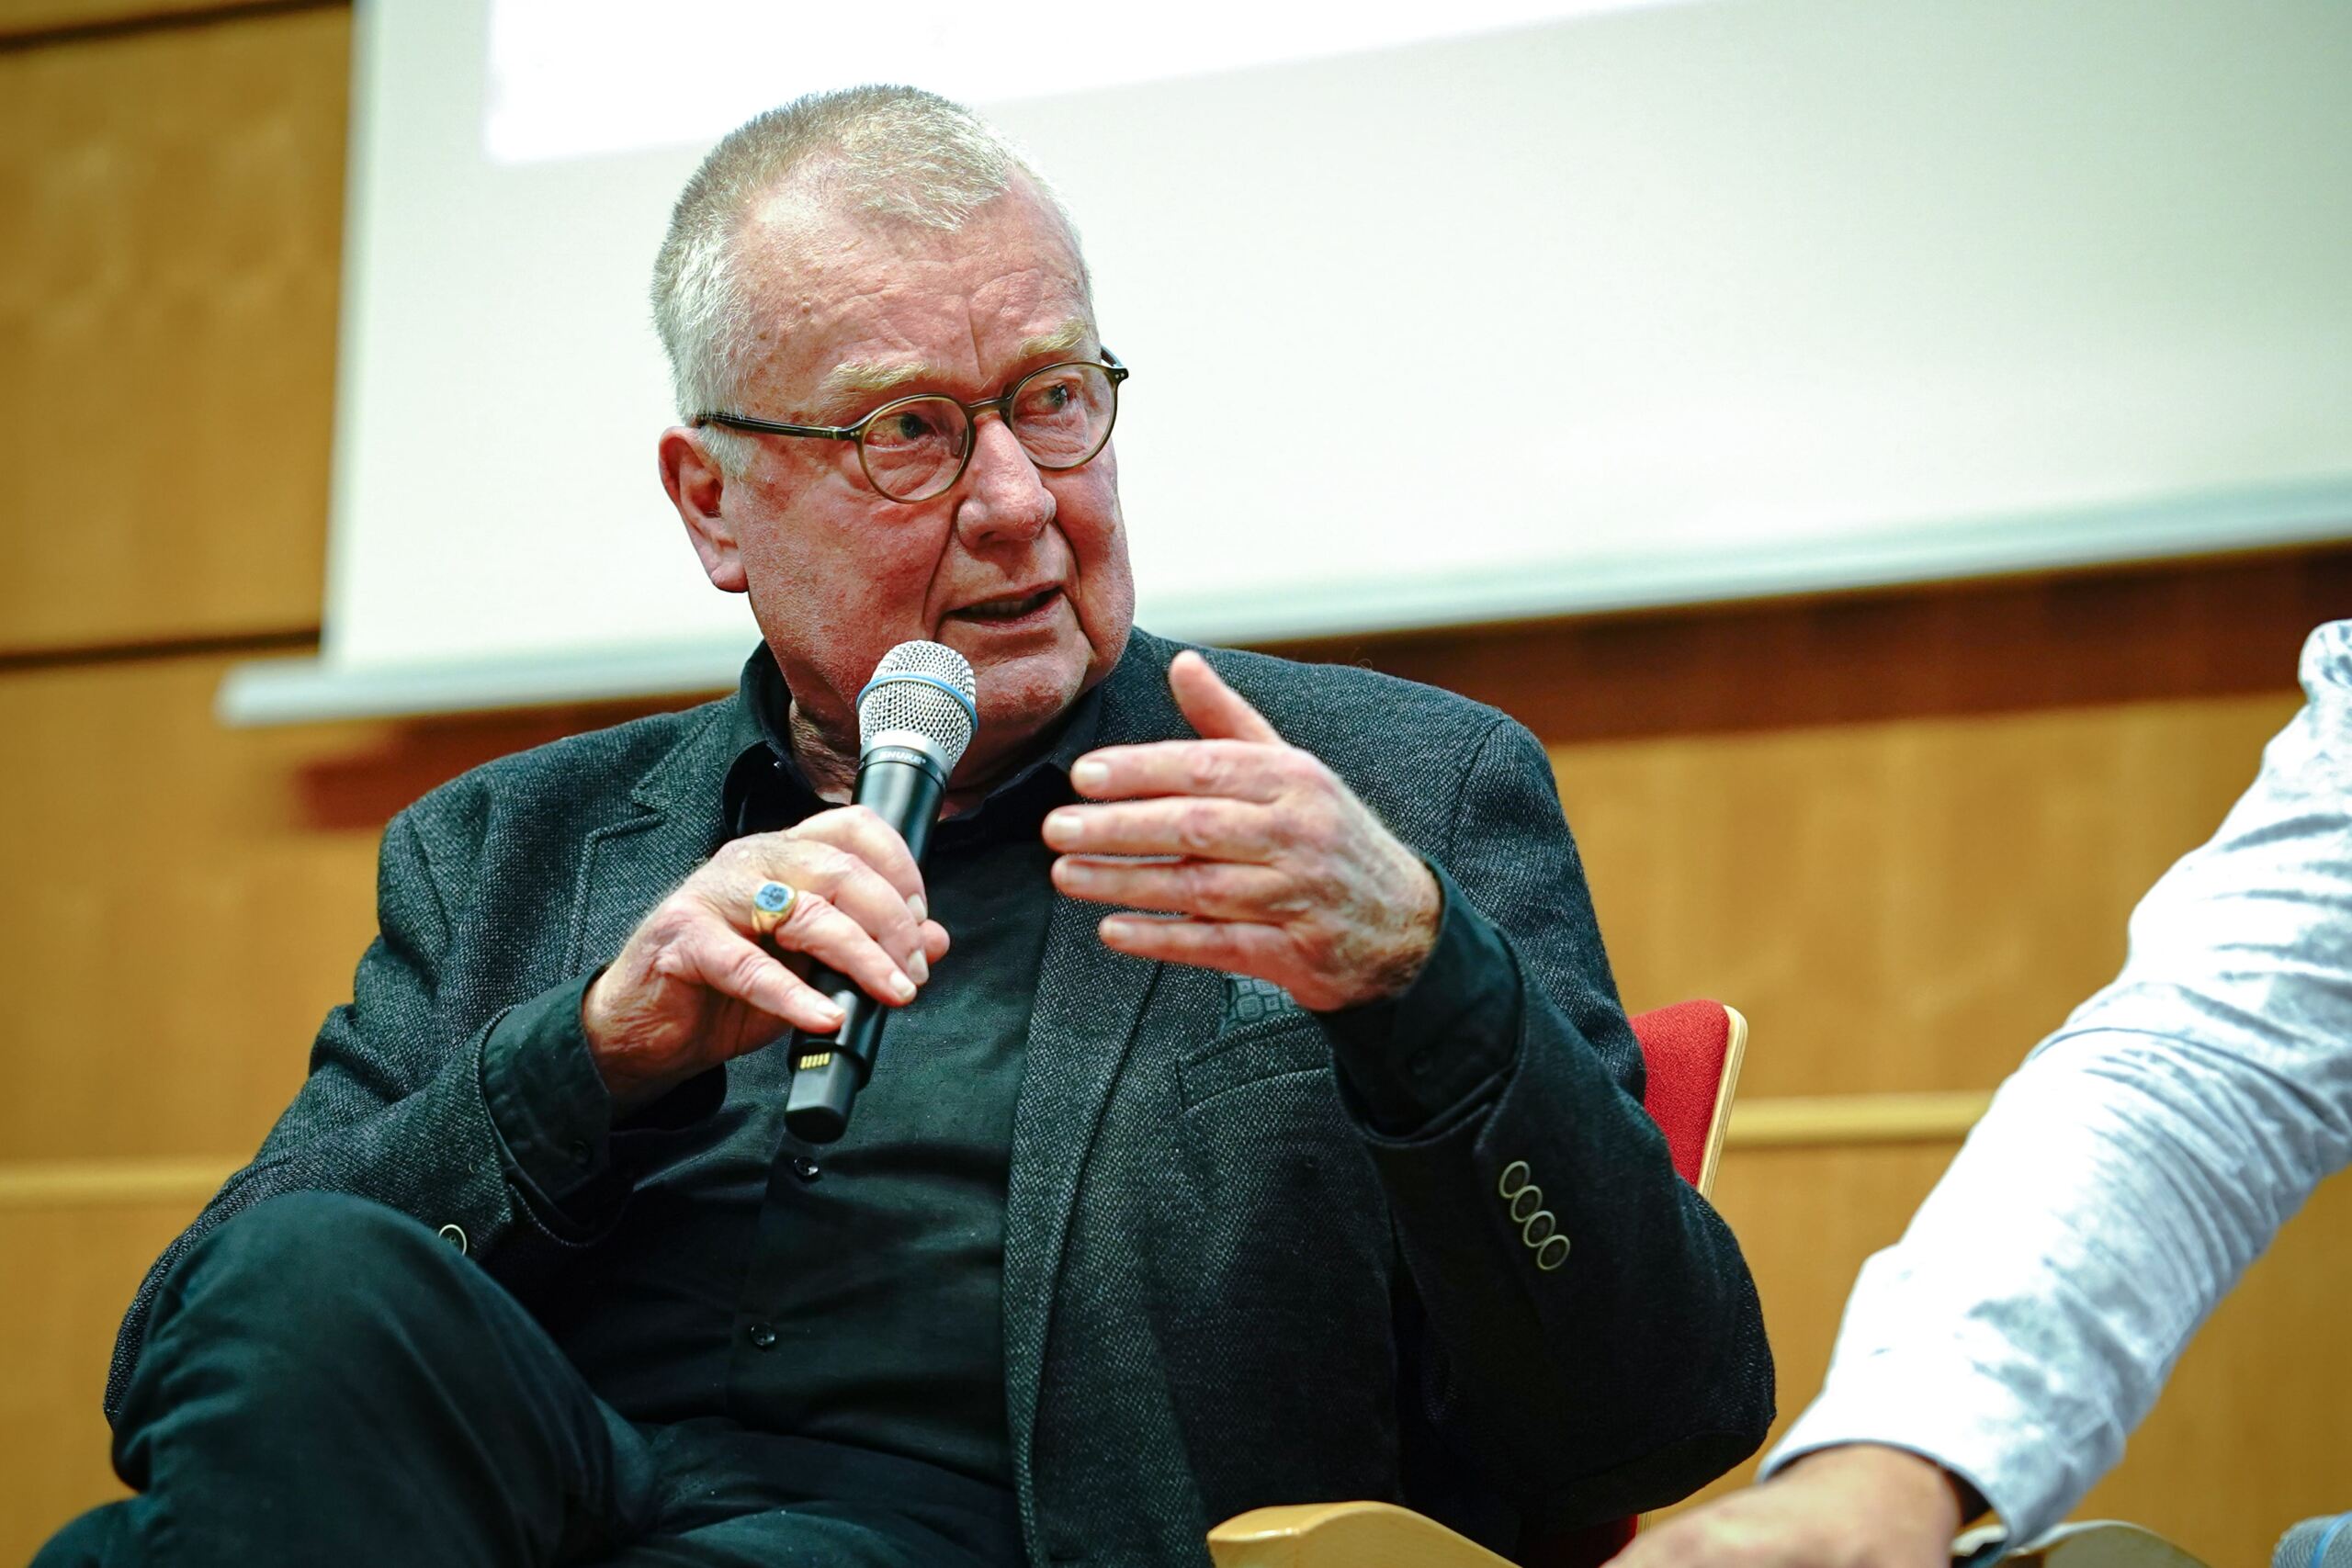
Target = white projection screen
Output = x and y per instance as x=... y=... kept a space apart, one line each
x=1437 y=313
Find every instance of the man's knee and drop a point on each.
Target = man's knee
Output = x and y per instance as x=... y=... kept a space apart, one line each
x=319 y=1244
x=300 y=1309
x=311 y=1270
x=93 y=1540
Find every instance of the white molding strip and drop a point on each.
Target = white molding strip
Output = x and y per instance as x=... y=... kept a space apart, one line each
x=306 y=691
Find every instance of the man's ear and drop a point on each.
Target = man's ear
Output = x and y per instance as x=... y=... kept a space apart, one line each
x=691 y=475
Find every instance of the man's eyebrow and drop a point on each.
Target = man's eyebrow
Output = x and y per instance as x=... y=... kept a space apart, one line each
x=859 y=376
x=1068 y=338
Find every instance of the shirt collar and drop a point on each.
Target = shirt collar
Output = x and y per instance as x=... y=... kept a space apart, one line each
x=766 y=789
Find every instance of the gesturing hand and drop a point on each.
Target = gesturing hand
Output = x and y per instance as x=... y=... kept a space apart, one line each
x=1273 y=865
x=693 y=986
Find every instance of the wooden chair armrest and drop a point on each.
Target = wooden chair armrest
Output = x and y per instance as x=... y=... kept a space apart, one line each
x=1342 y=1535
x=2090 y=1543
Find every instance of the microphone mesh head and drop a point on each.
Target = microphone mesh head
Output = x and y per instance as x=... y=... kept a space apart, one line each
x=2323 y=1542
x=917 y=686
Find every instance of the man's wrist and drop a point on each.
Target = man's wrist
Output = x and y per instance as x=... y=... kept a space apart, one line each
x=627 y=1092
x=550 y=1106
x=1946 y=1501
x=1421 y=918
x=1445 y=1040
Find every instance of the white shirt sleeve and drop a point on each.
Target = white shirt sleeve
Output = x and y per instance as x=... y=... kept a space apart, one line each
x=2140 y=1159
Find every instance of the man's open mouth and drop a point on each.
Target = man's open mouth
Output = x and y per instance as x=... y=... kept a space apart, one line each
x=1010 y=609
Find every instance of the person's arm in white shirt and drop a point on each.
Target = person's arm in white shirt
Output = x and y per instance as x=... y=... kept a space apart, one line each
x=2122 y=1180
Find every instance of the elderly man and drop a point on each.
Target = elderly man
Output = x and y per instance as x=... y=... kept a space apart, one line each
x=1143 y=1219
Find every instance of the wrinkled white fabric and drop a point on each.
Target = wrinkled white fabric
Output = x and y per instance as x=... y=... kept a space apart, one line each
x=2135 y=1164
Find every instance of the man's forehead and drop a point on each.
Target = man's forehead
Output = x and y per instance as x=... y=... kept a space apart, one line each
x=851 y=304
x=808 y=229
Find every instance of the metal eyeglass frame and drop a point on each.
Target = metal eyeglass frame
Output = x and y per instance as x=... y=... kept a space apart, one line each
x=1002 y=402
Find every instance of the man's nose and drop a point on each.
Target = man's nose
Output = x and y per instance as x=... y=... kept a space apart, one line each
x=1006 y=497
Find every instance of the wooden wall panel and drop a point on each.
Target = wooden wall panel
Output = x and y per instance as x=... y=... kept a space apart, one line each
x=187 y=901
x=2137 y=633
x=2250 y=1435
x=1903 y=906
x=1807 y=1219
x=170 y=339
x=45 y=23
x=1898 y=907
x=58 y=1336
x=178 y=920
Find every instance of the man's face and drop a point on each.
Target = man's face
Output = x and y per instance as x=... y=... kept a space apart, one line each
x=1024 y=572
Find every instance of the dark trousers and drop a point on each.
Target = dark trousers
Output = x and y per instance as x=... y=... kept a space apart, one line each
x=326 y=1382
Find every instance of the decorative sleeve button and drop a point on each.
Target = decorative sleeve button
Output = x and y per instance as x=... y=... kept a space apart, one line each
x=1539 y=1228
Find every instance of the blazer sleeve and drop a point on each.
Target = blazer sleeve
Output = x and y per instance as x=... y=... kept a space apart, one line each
x=1635 y=1370
x=393 y=1108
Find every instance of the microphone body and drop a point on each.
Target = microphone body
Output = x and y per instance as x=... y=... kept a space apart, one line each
x=915 y=718
x=899 y=784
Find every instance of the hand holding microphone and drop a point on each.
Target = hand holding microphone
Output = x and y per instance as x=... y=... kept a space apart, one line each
x=710 y=974
x=914 y=720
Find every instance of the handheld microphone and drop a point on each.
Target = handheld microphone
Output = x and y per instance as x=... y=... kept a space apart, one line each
x=914 y=719
x=2323 y=1542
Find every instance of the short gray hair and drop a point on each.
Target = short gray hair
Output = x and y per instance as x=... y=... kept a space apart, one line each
x=893 y=151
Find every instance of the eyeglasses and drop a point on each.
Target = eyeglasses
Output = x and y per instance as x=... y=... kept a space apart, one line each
x=918 y=447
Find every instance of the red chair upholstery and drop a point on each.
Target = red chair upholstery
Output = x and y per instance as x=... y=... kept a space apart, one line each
x=1692 y=1051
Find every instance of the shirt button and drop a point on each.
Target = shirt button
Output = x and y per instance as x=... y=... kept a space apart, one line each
x=455 y=1236
x=761 y=1335
x=579 y=1152
x=806 y=1168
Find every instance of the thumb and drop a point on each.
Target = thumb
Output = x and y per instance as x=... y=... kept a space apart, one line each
x=1214 y=708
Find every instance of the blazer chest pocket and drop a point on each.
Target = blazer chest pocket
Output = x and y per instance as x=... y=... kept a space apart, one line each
x=1272 y=1047
x=1281 y=1185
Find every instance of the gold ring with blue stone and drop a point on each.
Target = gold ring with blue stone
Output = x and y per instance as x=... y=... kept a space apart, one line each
x=770 y=904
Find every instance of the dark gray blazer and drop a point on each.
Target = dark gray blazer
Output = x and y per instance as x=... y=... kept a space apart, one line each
x=1221 y=1288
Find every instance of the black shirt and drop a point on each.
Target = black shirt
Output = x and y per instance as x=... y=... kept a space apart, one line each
x=854 y=1292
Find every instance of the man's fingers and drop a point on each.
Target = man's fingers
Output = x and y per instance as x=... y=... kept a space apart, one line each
x=1214 y=708
x=1215 y=889
x=1233 y=946
x=1239 y=770
x=845 y=880
x=828 y=935
x=1206 y=827
x=862 y=832
x=814 y=926
x=734 y=966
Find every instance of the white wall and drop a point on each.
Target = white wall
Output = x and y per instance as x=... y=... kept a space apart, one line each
x=1637 y=306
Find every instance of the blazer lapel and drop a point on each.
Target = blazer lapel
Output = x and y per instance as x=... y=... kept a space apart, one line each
x=1090 y=1001
x=629 y=865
